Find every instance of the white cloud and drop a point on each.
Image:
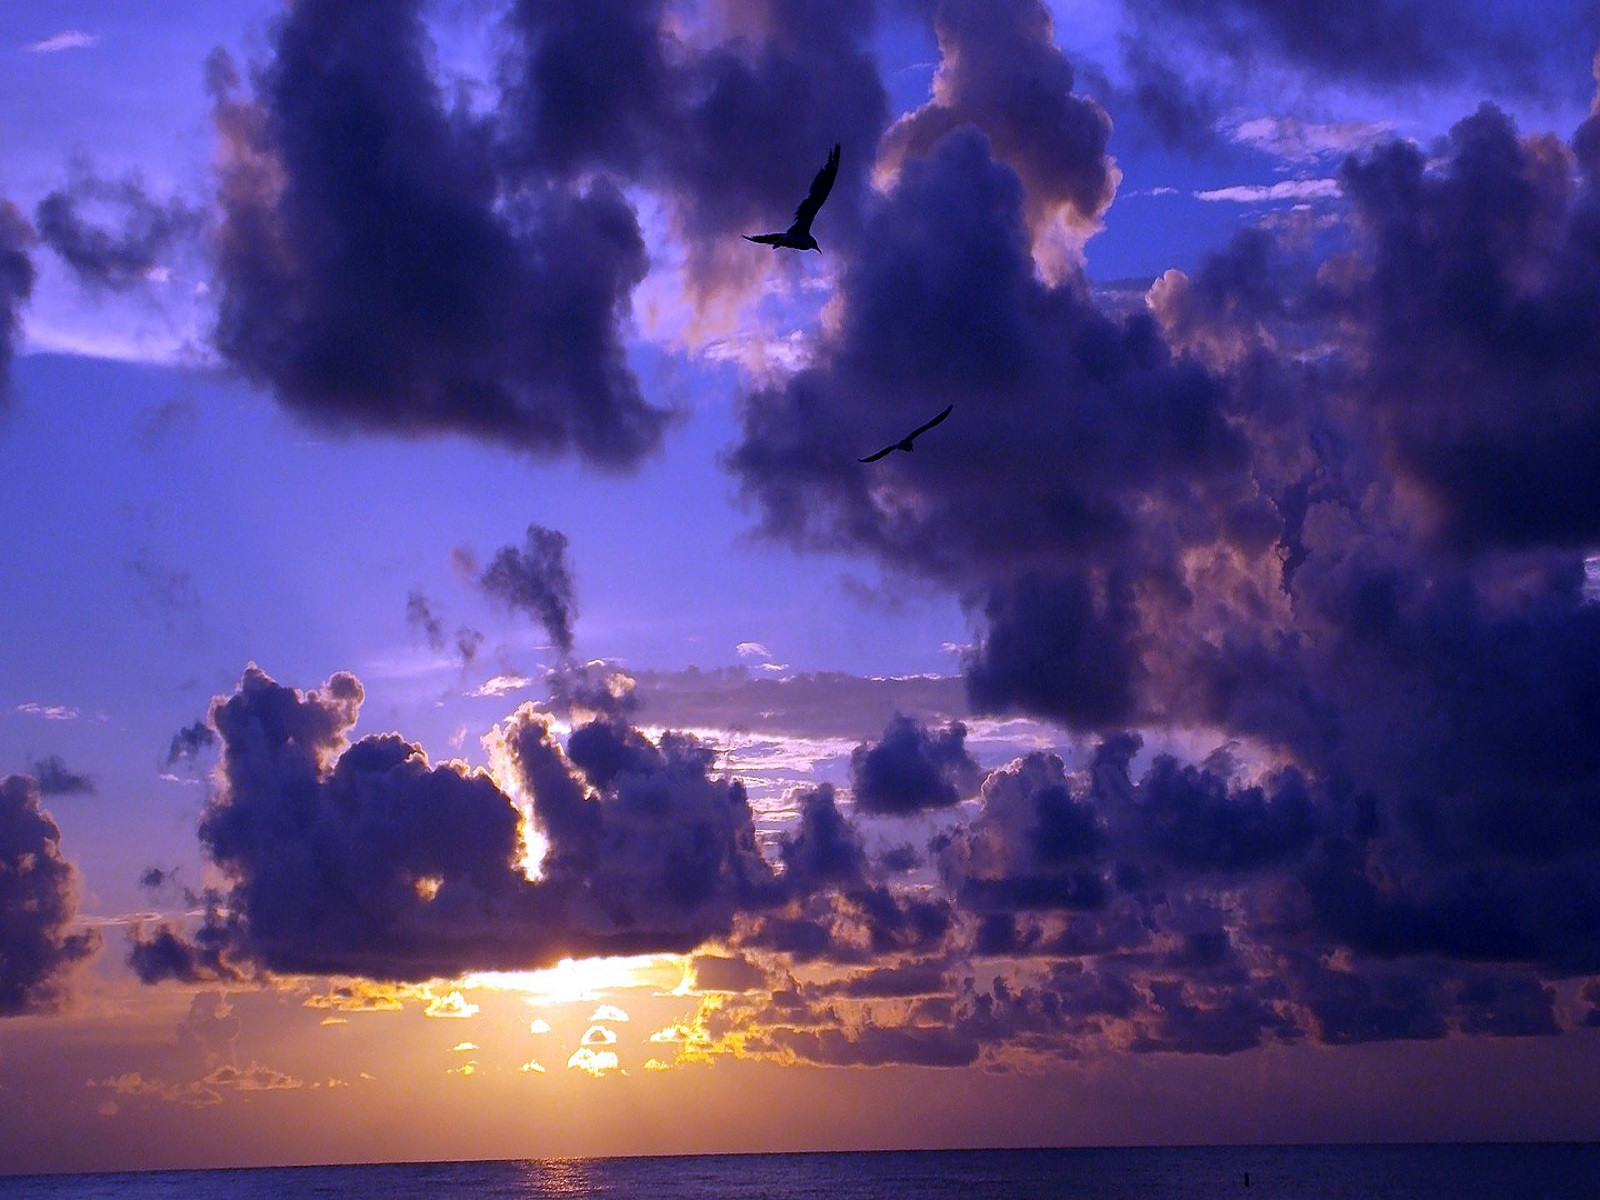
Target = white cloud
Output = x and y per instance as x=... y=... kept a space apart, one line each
x=502 y=685
x=50 y=712
x=70 y=39
x=608 y=1012
x=1297 y=141
x=1267 y=193
x=752 y=650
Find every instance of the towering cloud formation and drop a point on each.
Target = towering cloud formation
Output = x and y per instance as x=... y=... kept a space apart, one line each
x=1098 y=431
x=16 y=285
x=38 y=902
x=1001 y=72
x=1330 y=503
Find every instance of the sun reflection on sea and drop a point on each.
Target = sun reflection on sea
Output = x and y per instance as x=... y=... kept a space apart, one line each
x=546 y=1177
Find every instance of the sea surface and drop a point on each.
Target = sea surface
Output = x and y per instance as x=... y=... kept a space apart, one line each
x=1472 y=1172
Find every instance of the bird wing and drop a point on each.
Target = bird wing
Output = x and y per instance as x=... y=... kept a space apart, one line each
x=768 y=239
x=879 y=454
x=921 y=429
x=820 y=187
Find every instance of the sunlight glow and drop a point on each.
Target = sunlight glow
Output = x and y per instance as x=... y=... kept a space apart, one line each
x=573 y=980
x=534 y=845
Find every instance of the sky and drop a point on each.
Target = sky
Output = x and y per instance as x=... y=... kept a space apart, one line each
x=462 y=696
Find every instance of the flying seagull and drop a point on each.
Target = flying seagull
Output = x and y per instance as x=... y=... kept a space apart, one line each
x=905 y=442
x=798 y=236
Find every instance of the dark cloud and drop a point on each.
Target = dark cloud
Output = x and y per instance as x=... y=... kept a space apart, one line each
x=55 y=778
x=1325 y=496
x=725 y=122
x=537 y=580
x=188 y=744
x=1482 y=314
x=210 y=955
x=420 y=615
x=825 y=849
x=364 y=859
x=137 y=235
x=378 y=271
x=16 y=285
x=38 y=903
x=724 y=973
x=468 y=642
x=913 y=769
x=945 y=306
x=1178 y=111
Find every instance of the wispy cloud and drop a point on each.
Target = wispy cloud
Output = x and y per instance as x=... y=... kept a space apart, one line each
x=1294 y=140
x=50 y=712
x=69 y=39
x=1268 y=193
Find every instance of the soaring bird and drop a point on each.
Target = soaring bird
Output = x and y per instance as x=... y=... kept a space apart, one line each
x=905 y=442
x=798 y=236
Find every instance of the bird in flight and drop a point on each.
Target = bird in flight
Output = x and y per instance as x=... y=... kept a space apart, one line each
x=798 y=236
x=905 y=442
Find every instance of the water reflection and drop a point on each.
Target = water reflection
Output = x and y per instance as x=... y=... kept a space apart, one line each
x=553 y=1177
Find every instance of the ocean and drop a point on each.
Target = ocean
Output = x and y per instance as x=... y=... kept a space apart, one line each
x=1468 y=1172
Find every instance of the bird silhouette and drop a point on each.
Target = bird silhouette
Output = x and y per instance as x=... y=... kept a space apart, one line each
x=905 y=442
x=798 y=236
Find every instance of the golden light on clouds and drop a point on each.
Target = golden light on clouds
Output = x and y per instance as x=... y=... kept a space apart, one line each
x=451 y=1005
x=593 y=1062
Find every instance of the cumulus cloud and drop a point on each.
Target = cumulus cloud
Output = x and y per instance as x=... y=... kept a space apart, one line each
x=365 y=859
x=377 y=273
x=913 y=769
x=1340 y=517
x=38 y=904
